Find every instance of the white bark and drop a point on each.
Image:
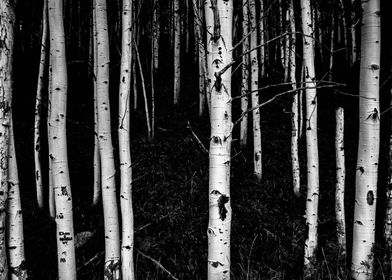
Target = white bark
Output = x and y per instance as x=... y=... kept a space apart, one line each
x=177 y=51
x=219 y=224
x=156 y=35
x=262 y=40
x=109 y=200
x=38 y=106
x=52 y=210
x=15 y=238
x=127 y=270
x=245 y=74
x=257 y=152
x=353 y=33
x=97 y=193
x=58 y=145
x=311 y=141
x=340 y=183
x=294 y=107
x=7 y=20
x=369 y=143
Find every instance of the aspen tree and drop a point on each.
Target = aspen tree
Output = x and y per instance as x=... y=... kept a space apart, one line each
x=340 y=183
x=127 y=270
x=353 y=21
x=219 y=18
x=15 y=236
x=52 y=210
x=38 y=106
x=58 y=145
x=198 y=22
x=245 y=74
x=156 y=34
x=97 y=190
x=177 y=51
x=109 y=200
x=262 y=48
x=7 y=20
x=294 y=106
x=257 y=152
x=369 y=143
x=311 y=141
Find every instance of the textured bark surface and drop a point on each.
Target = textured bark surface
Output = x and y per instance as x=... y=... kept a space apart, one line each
x=340 y=184
x=127 y=269
x=369 y=144
x=177 y=51
x=255 y=101
x=7 y=20
x=15 y=237
x=311 y=141
x=219 y=224
x=38 y=106
x=58 y=145
x=109 y=200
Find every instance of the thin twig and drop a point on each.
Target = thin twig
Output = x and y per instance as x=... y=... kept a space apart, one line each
x=158 y=264
x=197 y=138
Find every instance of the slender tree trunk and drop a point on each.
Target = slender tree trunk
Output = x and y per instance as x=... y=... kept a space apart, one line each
x=112 y=233
x=262 y=48
x=257 y=152
x=245 y=74
x=17 y=262
x=198 y=21
x=58 y=145
x=294 y=107
x=134 y=62
x=124 y=147
x=156 y=35
x=97 y=159
x=369 y=143
x=219 y=224
x=353 y=21
x=38 y=107
x=340 y=184
x=311 y=141
x=7 y=20
x=177 y=52
x=52 y=210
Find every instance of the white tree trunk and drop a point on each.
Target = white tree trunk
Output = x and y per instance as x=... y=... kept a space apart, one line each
x=156 y=34
x=177 y=51
x=16 y=252
x=97 y=193
x=262 y=40
x=353 y=33
x=7 y=20
x=109 y=199
x=127 y=270
x=311 y=141
x=58 y=145
x=52 y=210
x=388 y=211
x=219 y=224
x=340 y=183
x=294 y=107
x=257 y=152
x=369 y=143
x=245 y=74
x=38 y=107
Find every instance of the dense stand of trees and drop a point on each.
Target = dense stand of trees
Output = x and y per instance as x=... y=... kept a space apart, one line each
x=232 y=58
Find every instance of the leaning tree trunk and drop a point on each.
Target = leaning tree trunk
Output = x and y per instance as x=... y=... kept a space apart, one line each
x=112 y=233
x=219 y=15
x=311 y=141
x=16 y=252
x=127 y=270
x=245 y=74
x=177 y=51
x=7 y=20
x=38 y=106
x=257 y=152
x=369 y=143
x=58 y=145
